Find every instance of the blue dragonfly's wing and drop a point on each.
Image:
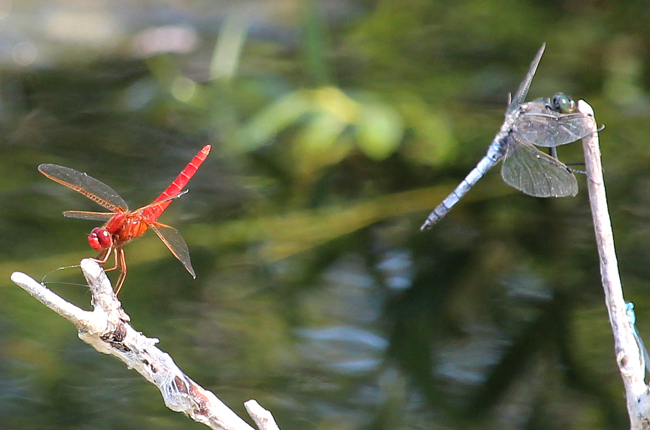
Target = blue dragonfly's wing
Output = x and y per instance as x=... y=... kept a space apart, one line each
x=522 y=92
x=532 y=172
x=542 y=126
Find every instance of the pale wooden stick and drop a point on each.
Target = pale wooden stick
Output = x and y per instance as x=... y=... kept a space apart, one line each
x=263 y=418
x=628 y=355
x=106 y=328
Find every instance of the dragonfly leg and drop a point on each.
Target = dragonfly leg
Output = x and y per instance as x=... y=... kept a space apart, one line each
x=572 y=170
x=103 y=257
x=121 y=262
x=552 y=151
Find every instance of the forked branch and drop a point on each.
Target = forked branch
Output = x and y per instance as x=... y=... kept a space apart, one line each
x=107 y=329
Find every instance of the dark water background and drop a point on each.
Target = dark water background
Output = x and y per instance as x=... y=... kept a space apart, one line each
x=336 y=126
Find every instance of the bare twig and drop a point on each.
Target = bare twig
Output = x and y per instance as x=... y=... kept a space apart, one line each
x=263 y=418
x=628 y=355
x=106 y=328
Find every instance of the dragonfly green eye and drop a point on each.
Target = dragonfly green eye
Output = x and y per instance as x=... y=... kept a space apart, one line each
x=563 y=103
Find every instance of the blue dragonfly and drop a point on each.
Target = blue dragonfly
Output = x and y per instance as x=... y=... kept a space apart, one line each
x=545 y=122
x=631 y=317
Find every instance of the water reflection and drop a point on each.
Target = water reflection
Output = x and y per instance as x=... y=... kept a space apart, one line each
x=345 y=349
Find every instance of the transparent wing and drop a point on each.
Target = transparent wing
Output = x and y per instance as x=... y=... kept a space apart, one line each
x=95 y=216
x=90 y=187
x=175 y=243
x=552 y=129
x=522 y=92
x=534 y=173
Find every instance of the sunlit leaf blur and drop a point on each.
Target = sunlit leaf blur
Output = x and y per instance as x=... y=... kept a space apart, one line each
x=336 y=127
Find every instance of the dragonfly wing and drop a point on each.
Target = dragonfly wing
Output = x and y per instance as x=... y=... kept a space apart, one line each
x=175 y=243
x=534 y=173
x=521 y=93
x=94 y=216
x=90 y=187
x=553 y=129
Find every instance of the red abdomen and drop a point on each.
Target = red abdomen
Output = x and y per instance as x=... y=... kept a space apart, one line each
x=153 y=212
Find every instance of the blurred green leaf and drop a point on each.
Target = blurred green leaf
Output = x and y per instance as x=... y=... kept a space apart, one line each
x=275 y=118
x=315 y=146
x=433 y=140
x=379 y=130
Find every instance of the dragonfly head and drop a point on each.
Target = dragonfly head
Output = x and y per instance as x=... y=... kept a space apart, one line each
x=100 y=239
x=563 y=104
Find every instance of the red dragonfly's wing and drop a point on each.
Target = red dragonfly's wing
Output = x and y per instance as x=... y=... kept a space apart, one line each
x=94 y=216
x=90 y=187
x=153 y=211
x=175 y=243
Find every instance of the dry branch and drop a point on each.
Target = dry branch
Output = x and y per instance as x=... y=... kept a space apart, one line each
x=107 y=329
x=628 y=355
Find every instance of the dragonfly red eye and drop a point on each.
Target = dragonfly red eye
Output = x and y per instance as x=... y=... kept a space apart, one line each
x=100 y=239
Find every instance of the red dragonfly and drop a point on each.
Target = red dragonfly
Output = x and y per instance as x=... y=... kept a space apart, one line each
x=123 y=225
